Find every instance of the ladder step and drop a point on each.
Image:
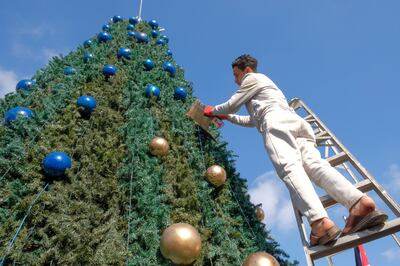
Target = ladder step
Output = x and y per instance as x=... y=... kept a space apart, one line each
x=322 y=136
x=310 y=119
x=364 y=186
x=355 y=239
x=338 y=159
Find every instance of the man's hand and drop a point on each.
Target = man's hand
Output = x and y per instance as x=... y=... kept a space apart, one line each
x=208 y=111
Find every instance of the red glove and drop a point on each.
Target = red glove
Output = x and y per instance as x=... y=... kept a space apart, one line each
x=208 y=111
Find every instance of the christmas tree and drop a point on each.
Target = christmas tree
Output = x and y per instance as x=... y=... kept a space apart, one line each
x=98 y=160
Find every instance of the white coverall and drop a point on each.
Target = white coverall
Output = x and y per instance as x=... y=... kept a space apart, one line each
x=290 y=143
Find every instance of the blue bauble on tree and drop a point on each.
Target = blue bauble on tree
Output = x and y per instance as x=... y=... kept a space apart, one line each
x=169 y=53
x=180 y=93
x=109 y=70
x=87 y=57
x=25 y=84
x=141 y=37
x=56 y=163
x=148 y=64
x=106 y=27
x=124 y=52
x=131 y=27
x=161 y=42
x=87 y=102
x=68 y=71
x=104 y=37
x=116 y=19
x=152 y=90
x=170 y=68
x=153 y=23
x=132 y=34
x=133 y=20
x=165 y=38
x=154 y=33
x=16 y=112
x=87 y=43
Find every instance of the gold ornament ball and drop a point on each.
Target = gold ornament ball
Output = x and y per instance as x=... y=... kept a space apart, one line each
x=181 y=243
x=261 y=259
x=159 y=146
x=260 y=215
x=216 y=175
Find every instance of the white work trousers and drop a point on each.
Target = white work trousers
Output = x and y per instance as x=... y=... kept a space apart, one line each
x=290 y=143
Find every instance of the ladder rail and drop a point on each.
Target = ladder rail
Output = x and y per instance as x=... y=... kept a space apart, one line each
x=391 y=203
x=342 y=156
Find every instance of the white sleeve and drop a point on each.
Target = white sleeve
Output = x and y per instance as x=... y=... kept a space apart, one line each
x=241 y=120
x=247 y=90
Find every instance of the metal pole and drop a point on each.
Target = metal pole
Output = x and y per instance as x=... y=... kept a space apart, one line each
x=140 y=10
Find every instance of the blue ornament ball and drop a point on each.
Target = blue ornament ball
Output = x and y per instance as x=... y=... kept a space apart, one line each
x=104 y=37
x=25 y=84
x=161 y=42
x=170 y=68
x=116 y=19
x=132 y=34
x=56 y=163
x=87 y=102
x=87 y=57
x=153 y=23
x=16 y=112
x=169 y=53
x=154 y=33
x=68 y=71
x=87 y=43
x=133 y=20
x=124 y=52
x=109 y=70
x=141 y=37
x=152 y=90
x=106 y=27
x=180 y=93
x=165 y=38
x=148 y=64
x=130 y=27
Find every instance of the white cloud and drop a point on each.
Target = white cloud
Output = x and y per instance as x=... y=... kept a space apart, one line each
x=270 y=191
x=47 y=54
x=8 y=80
x=394 y=178
x=34 y=31
x=26 y=42
x=392 y=254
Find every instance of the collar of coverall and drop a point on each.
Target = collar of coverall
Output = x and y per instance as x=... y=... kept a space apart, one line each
x=246 y=75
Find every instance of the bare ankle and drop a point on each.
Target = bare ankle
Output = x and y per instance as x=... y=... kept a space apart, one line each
x=322 y=225
x=364 y=204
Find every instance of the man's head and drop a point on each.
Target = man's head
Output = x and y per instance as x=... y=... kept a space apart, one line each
x=242 y=65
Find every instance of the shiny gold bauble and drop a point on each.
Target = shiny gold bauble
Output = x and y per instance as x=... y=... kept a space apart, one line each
x=260 y=215
x=216 y=175
x=261 y=259
x=159 y=146
x=181 y=243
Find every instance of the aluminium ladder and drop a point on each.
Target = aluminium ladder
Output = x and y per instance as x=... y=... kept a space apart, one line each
x=341 y=158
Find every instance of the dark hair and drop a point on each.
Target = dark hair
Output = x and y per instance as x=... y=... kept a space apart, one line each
x=244 y=61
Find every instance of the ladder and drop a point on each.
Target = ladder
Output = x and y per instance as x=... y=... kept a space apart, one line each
x=346 y=161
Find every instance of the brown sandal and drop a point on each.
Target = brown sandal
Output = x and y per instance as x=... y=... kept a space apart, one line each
x=372 y=219
x=329 y=236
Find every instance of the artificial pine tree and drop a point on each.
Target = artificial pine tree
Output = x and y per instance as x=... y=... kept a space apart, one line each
x=112 y=206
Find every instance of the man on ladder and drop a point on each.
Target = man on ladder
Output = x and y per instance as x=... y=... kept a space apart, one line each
x=290 y=143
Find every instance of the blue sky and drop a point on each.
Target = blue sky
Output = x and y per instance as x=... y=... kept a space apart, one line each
x=341 y=57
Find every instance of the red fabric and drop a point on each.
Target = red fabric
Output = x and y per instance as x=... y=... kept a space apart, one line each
x=208 y=111
x=222 y=117
x=361 y=256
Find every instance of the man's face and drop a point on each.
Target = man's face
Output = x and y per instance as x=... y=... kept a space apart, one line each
x=238 y=74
